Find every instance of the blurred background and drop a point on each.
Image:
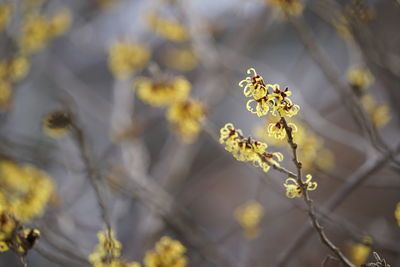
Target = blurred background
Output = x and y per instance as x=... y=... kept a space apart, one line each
x=79 y=86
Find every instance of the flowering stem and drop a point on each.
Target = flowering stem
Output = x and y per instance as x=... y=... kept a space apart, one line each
x=311 y=209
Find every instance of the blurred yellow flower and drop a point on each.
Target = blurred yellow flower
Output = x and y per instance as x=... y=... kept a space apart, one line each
x=14 y=69
x=25 y=190
x=125 y=58
x=288 y=7
x=359 y=252
x=249 y=217
x=5 y=94
x=108 y=251
x=60 y=22
x=183 y=59
x=360 y=78
x=34 y=34
x=162 y=91
x=379 y=114
x=169 y=29
x=186 y=118
x=167 y=253
x=5 y=15
x=397 y=213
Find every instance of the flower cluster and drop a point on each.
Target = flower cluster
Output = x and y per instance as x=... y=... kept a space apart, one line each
x=263 y=100
x=167 y=253
x=288 y=7
x=34 y=31
x=185 y=114
x=249 y=217
x=163 y=91
x=125 y=58
x=108 y=251
x=247 y=149
x=25 y=190
x=186 y=117
x=57 y=124
x=294 y=189
x=14 y=236
x=167 y=28
x=310 y=147
x=38 y=30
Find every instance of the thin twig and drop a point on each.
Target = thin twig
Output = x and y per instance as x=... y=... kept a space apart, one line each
x=370 y=167
x=327 y=259
x=311 y=209
x=93 y=175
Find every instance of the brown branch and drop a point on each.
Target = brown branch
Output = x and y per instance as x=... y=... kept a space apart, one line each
x=358 y=177
x=311 y=209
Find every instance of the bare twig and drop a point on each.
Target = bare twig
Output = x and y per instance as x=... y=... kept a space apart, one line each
x=355 y=180
x=311 y=209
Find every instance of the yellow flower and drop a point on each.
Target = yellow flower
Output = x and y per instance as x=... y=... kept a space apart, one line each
x=167 y=253
x=5 y=15
x=288 y=7
x=278 y=131
x=261 y=107
x=183 y=59
x=249 y=217
x=361 y=251
x=186 y=118
x=60 y=22
x=164 y=91
x=282 y=105
x=247 y=149
x=254 y=85
x=359 y=78
x=397 y=213
x=57 y=123
x=263 y=101
x=25 y=190
x=293 y=189
x=310 y=147
x=108 y=251
x=169 y=29
x=14 y=69
x=5 y=94
x=125 y=58
x=3 y=246
x=34 y=34
x=379 y=114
